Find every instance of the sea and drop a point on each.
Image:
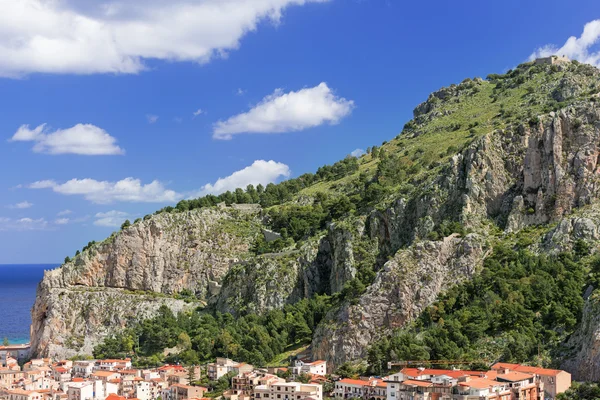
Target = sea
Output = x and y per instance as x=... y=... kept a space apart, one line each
x=18 y=284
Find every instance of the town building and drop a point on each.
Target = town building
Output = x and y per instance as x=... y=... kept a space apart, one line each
x=318 y=367
x=84 y=368
x=288 y=391
x=371 y=388
x=223 y=366
x=183 y=392
x=555 y=381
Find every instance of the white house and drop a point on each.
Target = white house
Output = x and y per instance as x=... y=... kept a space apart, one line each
x=318 y=367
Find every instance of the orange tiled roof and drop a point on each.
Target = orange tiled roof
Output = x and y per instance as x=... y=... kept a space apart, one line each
x=514 y=376
x=411 y=382
x=480 y=383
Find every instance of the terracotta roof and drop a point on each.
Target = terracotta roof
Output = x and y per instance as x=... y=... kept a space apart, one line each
x=411 y=382
x=114 y=396
x=480 y=383
x=349 y=381
x=414 y=372
x=104 y=374
x=538 y=370
x=514 y=376
x=505 y=365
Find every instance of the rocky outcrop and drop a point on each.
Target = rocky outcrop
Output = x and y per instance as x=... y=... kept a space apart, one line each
x=518 y=177
x=271 y=281
x=583 y=348
x=71 y=321
x=161 y=256
x=408 y=283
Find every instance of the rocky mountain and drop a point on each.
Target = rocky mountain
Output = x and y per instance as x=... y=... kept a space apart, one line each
x=492 y=156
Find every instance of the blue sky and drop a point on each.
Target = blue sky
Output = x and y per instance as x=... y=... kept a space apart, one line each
x=310 y=80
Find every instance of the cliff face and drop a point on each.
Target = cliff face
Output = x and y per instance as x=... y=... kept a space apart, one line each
x=583 y=358
x=130 y=275
x=537 y=169
x=529 y=175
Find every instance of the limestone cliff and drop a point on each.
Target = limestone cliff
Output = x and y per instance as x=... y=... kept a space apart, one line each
x=583 y=348
x=527 y=175
x=128 y=276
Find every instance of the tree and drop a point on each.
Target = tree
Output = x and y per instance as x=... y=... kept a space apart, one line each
x=5 y=342
x=183 y=341
x=126 y=224
x=67 y=259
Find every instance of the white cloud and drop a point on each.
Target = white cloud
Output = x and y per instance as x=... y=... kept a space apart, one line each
x=64 y=212
x=23 y=224
x=261 y=171
x=357 y=153
x=179 y=120
x=111 y=219
x=21 y=206
x=576 y=48
x=84 y=139
x=61 y=221
x=117 y=36
x=286 y=112
x=151 y=118
x=103 y=192
x=198 y=112
x=240 y=92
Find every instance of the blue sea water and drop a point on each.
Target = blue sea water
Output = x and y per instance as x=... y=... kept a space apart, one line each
x=18 y=284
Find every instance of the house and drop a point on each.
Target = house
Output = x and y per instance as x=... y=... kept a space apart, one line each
x=244 y=383
x=372 y=388
x=89 y=390
x=113 y=365
x=106 y=376
x=61 y=374
x=10 y=378
x=318 y=367
x=83 y=368
x=182 y=392
x=223 y=366
x=20 y=394
x=478 y=388
x=17 y=351
x=288 y=391
x=555 y=381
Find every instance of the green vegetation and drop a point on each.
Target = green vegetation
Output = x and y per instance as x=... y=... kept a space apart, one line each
x=519 y=307
x=201 y=336
x=581 y=391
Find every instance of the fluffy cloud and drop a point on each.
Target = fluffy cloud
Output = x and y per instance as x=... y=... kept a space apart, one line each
x=116 y=36
x=104 y=192
x=84 y=139
x=357 y=153
x=576 y=48
x=23 y=224
x=61 y=221
x=111 y=219
x=261 y=171
x=286 y=112
x=64 y=212
x=198 y=112
x=151 y=118
x=21 y=206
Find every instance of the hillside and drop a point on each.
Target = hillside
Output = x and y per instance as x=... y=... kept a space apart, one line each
x=488 y=174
